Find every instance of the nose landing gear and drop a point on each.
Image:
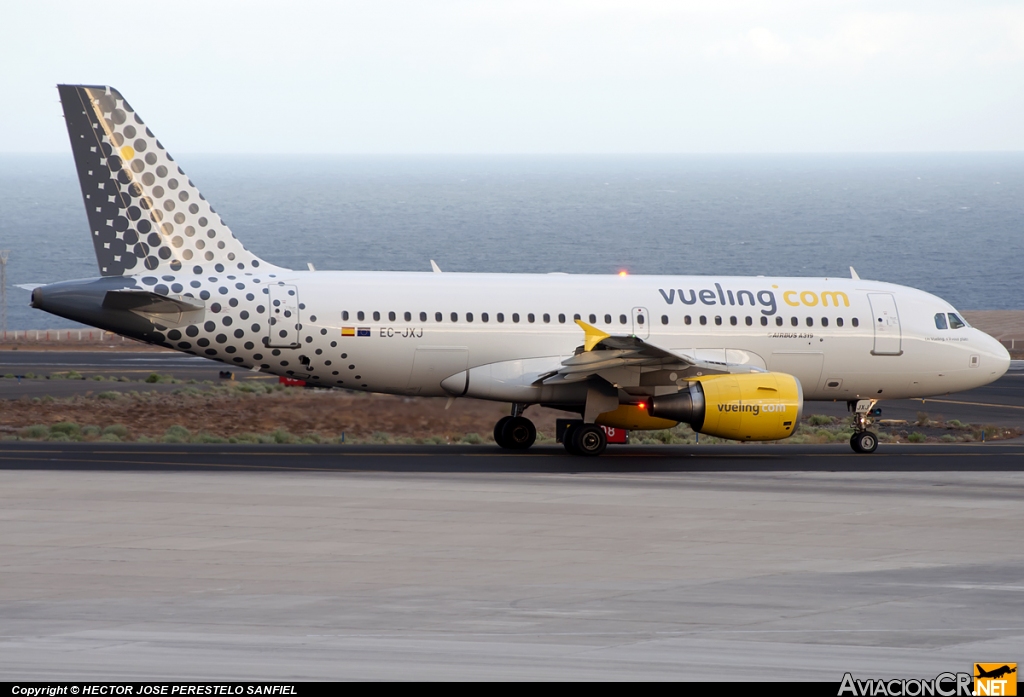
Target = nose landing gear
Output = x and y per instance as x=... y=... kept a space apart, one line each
x=863 y=440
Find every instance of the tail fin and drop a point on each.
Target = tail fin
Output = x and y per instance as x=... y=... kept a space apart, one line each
x=144 y=212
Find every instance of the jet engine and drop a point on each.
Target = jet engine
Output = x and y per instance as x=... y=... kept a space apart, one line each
x=746 y=406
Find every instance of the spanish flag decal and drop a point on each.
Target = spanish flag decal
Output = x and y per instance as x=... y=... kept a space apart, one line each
x=348 y=331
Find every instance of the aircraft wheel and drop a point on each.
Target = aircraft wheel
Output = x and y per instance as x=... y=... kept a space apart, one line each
x=589 y=440
x=498 y=427
x=518 y=433
x=567 y=439
x=864 y=442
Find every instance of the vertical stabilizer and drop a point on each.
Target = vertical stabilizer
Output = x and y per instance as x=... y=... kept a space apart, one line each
x=144 y=212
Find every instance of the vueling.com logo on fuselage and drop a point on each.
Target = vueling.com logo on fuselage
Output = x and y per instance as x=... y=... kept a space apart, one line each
x=766 y=299
x=755 y=409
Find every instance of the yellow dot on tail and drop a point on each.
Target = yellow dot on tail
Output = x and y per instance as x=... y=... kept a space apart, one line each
x=127 y=152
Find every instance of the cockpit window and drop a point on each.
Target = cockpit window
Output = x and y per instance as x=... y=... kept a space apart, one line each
x=940 y=320
x=955 y=322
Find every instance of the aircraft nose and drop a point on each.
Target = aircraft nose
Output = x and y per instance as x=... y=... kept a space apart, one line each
x=998 y=357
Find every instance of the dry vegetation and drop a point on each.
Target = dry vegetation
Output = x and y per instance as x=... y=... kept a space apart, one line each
x=266 y=412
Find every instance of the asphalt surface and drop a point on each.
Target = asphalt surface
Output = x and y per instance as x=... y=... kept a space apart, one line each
x=756 y=562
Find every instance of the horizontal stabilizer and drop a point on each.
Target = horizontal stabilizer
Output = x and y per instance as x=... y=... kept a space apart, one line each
x=165 y=310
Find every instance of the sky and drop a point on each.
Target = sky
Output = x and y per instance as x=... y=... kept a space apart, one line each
x=527 y=76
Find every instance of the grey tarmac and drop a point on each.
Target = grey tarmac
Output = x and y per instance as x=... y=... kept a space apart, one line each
x=754 y=562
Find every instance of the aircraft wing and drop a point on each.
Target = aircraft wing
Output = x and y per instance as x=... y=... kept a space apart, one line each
x=629 y=361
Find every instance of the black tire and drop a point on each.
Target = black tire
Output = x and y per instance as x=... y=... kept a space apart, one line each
x=567 y=436
x=498 y=438
x=589 y=440
x=864 y=442
x=518 y=433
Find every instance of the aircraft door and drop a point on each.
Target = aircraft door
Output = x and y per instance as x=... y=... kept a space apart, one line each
x=283 y=317
x=886 y=320
x=641 y=322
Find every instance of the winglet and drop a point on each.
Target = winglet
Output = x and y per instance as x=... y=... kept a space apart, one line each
x=853 y=274
x=594 y=335
x=434 y=266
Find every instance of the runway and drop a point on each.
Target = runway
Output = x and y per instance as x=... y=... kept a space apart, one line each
x=753 y=562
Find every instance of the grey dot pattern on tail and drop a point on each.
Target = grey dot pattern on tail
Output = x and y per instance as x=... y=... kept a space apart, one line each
x=144 y=212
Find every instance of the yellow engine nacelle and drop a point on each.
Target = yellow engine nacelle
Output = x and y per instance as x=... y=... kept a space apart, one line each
x=745 y=406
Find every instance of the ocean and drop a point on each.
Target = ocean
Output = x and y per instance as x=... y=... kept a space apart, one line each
x=950 y=224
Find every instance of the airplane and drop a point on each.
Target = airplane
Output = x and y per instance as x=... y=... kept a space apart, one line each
x=733 y=357
x=995 y=673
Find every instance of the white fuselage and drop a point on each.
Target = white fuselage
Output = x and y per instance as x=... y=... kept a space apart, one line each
x=404 y=333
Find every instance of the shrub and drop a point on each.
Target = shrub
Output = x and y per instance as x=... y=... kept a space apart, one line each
x=109 y=438
x=109 y=394
x=35 y=431
x=176 y=434
x=916 y=437
x=380 y=437
x=820 y=420
x=204 y=437
x=922 y=418
x=948 y=438
x=68 y=428
x=956 y=423
x=282 y=437
x=98 y=378
x=90 y=431
x=473 y=439
x=119 y=430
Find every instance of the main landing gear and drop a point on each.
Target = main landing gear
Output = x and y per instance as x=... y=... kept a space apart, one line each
x=515 y=432
x=584 y=439
x=863 y=440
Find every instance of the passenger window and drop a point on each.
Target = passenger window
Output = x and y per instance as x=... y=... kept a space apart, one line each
x=469 y=316
x=547 y=318
x=607 y=319
x=824 y=321
x=344 y=314
x=515 y=316
x=750 y=321
x=686 y=320
x=623 y=319
x=839 y=321
x=530 y=318
x=500 y=316
x=778 y=321
x=703 y=319
x=484 y=317
x=423 y=317
x=855 y=322
x=360 y=315
x=732 y=320
x=664 y=319
x=437 y=316
x=593 y=319
x=455 y=317
x=718 y=320
x=810 y=321
x=639 y=319
x=408 y=317
x=391 y=316
x=376 y=316
x=955 y=322
x=576 y=316
x=561 y=318
x=940 y=320
x=794 y=321
x=764 y=321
